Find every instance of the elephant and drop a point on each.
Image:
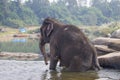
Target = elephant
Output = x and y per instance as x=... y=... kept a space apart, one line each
x=68 y=45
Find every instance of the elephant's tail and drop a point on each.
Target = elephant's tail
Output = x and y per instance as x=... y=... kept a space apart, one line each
x=95 y=61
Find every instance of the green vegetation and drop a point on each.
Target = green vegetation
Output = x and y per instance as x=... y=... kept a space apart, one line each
x=30 y=46
x=100 y=31
x=15 y=14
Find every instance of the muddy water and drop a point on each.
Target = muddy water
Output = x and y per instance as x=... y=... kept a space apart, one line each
x=36 y=70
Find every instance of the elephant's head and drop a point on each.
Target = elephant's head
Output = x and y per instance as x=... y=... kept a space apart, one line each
x=46 y=30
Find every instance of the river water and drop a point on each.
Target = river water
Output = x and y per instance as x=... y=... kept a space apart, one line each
x=37 y=70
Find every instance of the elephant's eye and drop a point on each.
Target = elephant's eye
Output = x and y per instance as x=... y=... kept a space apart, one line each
x=46 y=23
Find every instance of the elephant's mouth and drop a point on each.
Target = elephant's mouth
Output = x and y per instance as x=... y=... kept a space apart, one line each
x=46 y=40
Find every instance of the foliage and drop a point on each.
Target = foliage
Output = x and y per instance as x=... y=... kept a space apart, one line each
x=14 y=23
x=91 y=16
x=101 y=31
x=109 y=9
x=15 y=14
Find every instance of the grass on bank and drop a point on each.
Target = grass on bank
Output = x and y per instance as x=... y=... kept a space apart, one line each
x=29 y=46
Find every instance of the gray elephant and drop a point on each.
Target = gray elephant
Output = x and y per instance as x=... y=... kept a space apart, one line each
x=68 y=45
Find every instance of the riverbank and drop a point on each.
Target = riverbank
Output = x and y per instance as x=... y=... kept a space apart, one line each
x=20 y=56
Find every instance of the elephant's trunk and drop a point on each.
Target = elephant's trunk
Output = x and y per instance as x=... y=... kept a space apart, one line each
x=44 y=54
x=42 y=48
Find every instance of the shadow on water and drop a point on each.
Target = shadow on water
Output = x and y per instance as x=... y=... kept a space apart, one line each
x=91 y=75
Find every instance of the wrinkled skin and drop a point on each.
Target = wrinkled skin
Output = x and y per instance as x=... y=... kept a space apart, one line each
x=68 y=45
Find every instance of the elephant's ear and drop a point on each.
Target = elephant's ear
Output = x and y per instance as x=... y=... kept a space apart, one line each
x=49 y=29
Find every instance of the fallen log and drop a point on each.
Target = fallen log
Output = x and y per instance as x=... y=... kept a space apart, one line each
x=111 y=60
x=114 y=45
x=102 y=49
x=105 y=41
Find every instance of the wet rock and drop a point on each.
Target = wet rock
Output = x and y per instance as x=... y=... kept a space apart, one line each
x=116 y=34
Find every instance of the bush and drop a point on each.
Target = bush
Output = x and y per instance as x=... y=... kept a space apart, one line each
x=15 y=23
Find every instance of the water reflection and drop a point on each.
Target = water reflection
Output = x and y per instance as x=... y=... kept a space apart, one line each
x=58 y=75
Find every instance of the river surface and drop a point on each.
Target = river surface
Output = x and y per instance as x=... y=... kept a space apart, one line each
x=37 y=70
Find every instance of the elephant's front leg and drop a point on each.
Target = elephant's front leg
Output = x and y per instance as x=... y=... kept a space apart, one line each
x=53 y=63
x=53 y=58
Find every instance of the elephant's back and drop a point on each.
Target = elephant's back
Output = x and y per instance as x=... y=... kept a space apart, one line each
x=70 y=35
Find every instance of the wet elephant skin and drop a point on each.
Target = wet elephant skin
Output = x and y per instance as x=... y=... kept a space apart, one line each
x=68 y=45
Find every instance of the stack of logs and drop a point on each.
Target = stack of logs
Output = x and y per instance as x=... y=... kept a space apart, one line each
x=108 y=50
x=106 y=45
